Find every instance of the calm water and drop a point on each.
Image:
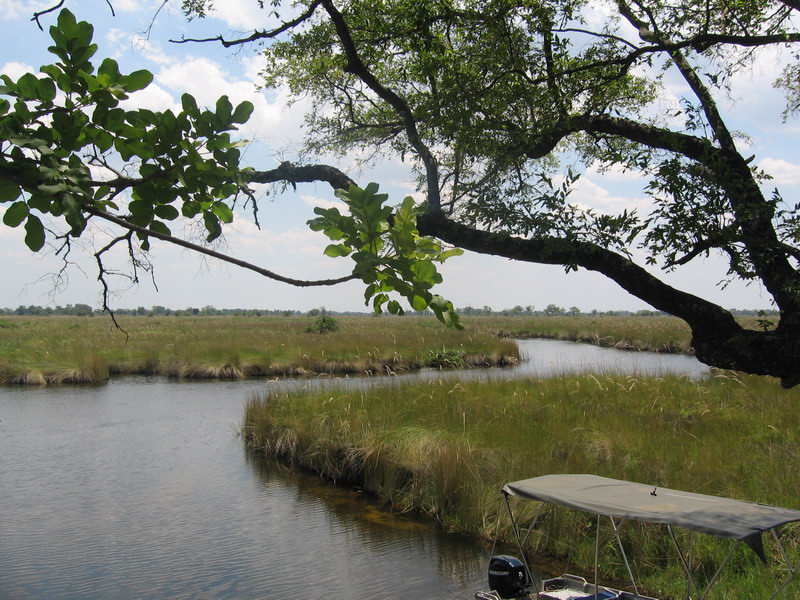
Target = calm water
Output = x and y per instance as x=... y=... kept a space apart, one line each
x=141 y=489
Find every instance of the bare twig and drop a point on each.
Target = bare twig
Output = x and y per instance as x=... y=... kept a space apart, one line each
x=256 y=35
x=55 y=7
x=36 y=15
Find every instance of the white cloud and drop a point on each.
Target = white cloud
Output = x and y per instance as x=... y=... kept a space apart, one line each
x=243 y=14
x=782 y=171
x=589 y=194
x=315 y=201
x=14 y=9
x=153 y=98
x=615 y=172
x=207 y=81
x=127 y=5
x=151 y=50
x=15 y=70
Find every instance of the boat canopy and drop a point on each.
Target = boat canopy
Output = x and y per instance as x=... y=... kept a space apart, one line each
x=721 y=517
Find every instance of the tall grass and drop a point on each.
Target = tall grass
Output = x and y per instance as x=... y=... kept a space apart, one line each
x=41 y=349
x=445 y=449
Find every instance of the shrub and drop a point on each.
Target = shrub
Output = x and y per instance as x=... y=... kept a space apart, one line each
x=323 y=324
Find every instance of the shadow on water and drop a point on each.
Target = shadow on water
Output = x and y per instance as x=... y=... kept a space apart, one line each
x=368 y=551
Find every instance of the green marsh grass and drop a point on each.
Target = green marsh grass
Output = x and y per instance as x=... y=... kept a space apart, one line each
x=72 y=349
x=445 y=449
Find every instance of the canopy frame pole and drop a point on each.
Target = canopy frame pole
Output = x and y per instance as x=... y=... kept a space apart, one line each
x=520 y=543
x=691 y=585
x=686 y=567
x=690 y=560
x=722 y=565
x=532 y=525
x=596 y=556
x=793 y=569
x=623 y=553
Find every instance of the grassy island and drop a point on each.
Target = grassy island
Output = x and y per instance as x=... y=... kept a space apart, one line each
x=55 y=349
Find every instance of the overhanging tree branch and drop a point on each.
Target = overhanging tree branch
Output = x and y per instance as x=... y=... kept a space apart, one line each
x=214 y=254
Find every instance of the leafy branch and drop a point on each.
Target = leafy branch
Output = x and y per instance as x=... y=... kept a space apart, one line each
x=389 y=253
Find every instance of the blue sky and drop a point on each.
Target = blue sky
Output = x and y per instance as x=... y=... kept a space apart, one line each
x=284 y=244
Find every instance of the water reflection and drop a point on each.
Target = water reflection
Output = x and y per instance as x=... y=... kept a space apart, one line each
x=361 y=550
x=141 y=489
x=541 y=358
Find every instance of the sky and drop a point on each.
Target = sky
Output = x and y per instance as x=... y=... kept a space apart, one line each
x=284 y=244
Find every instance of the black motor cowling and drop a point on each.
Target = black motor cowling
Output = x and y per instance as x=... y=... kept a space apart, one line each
x=508 y=576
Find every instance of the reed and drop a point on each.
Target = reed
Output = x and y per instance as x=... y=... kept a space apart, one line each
x=445 y=449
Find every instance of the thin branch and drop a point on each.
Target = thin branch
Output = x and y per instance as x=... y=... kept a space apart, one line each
x=101 y=277
x=689 y=74
x=256 y=35
x=153 y=20
x=36 y=15
x=598 y=34
x=54 y=8
x=214 y=254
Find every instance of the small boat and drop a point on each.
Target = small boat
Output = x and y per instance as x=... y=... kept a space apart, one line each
x=617 y=500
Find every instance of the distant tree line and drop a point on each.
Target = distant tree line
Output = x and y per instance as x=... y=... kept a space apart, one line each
x=551 y=310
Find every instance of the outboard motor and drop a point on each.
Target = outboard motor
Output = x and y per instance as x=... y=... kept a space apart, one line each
x=508 y=576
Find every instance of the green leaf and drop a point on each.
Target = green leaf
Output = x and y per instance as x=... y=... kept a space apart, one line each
x=419 y=302
x=34 y=233
x=27 y=86
x=46 y=90
x=191 y=209
x=337 y=250
x=8 y=190
x=212 y=226
x=223 y=211
x=144 y=241
x=224 y=110
x=242 y=112
x=15 y=214
x=138 y=80
x=424 y=271
x=166 y=211
x=189 y=104
x=159 y=227
x=394 y=307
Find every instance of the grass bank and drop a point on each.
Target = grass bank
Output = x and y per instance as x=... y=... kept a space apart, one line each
x=646 y=333
x=445 y=449
x=41 y=350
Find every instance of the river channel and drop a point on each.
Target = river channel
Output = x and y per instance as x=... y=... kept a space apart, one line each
x=141 y=489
